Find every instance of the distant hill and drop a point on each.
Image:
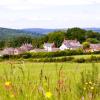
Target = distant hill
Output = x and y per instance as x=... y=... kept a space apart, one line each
x=46 y=31
x=7 y=33
x=39 y=30
x=93 y=29
x=34 y=32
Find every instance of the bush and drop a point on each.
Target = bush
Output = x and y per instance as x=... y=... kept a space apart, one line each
x=80 y=60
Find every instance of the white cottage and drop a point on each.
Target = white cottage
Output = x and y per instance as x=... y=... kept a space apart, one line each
x=49 y=46
x=70 y=44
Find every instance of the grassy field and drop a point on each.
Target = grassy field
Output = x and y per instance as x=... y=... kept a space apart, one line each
x=43 y=81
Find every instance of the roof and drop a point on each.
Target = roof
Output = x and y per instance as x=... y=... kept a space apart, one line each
x=95 y=46
x=71 y=43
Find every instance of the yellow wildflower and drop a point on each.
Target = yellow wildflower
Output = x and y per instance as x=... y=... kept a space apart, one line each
x=92 y=88
x=84 y=88
x=12 y=95
x=48 y=94
x=86 y=83
x=8 y=83
x=90 y=82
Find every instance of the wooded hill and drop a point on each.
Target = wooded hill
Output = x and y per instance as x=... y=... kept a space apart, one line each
x=18 y=37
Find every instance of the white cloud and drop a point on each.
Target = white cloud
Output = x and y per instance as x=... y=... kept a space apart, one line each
x=49 y=13
x=48 y=2
x=34 y=4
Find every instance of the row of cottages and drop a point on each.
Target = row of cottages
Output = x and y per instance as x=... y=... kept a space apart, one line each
x=15 y=51
x=95 y=47
x=70 y=44
x=67 y=44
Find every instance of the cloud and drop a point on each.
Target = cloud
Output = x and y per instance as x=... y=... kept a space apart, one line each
x=36 y=4
x=48 y=2
x=49 y=13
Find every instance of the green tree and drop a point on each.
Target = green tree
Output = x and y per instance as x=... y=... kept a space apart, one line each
x=76 y=33
x=86 y=45
x=92 y=40
x=56 y=37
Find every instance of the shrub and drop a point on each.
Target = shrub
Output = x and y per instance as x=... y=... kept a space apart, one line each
x=80 y=60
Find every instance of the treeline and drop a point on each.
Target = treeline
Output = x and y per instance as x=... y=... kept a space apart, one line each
x=57 y=37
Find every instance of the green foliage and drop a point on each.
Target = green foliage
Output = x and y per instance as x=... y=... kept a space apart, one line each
x=2 y=44
x=76 y=33
x=79 y=60
x=48 y=81
x=56 y=37
x=86 y=45
x=92 y=40
x=89 y=86
x=55 y=54
x=6 y=33
x=12 y=38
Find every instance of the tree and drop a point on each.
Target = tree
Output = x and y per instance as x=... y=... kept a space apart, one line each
x=92 y=40
x=56 y=37
x=2 y=44
x=86 y=45
x=76 y=33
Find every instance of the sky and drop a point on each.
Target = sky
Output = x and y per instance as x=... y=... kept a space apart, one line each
x=49 y=13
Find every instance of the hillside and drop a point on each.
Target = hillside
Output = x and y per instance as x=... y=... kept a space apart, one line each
x=93 y=29
x=39 y=30
x=46 y=31
x=7 y=33
x=34 y=32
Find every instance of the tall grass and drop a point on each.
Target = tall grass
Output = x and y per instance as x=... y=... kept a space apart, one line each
x=18 y=84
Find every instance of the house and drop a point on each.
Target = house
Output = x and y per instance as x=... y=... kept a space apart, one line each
x=26 y=47
x=16 y=51
x=8 y=51
x=95 y=47
x=49 y=46
x=70 y=44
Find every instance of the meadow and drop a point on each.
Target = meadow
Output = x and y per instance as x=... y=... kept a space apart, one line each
x=20 y=80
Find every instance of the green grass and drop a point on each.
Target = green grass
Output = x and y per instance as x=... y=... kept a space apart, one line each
x=30 y=81
x=75 y=57
x=84 y=56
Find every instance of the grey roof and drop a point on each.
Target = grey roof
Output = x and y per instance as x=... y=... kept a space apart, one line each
x=71 y=43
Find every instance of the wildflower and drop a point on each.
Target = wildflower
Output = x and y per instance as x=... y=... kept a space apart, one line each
x=90 y=82
x=86 y=83
x=8 y=84
x=84 y=88
x=92 y=88
x=12 y=95
x=48 y=94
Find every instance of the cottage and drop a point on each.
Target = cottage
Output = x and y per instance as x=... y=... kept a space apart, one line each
x=16 y=51
x=49 y=46
x=26 y=47
x=95 y=47
x=70 y=44
x=8 y=51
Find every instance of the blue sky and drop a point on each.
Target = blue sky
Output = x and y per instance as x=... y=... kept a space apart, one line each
x=49 y=13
